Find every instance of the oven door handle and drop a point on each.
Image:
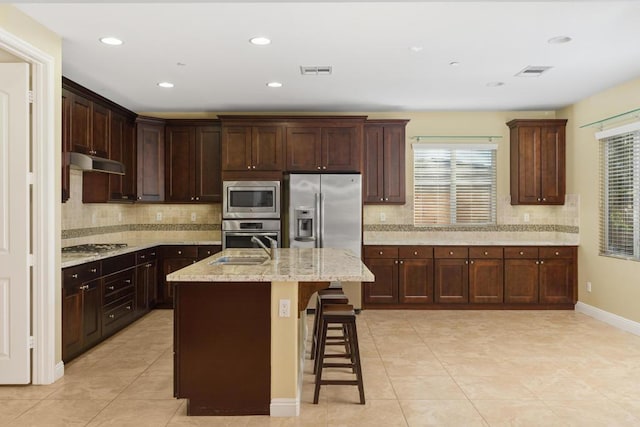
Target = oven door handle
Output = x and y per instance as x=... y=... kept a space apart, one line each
x=250 y=233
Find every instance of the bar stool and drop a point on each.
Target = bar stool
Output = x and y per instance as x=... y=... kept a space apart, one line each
x=331 y=297
x=347 y=320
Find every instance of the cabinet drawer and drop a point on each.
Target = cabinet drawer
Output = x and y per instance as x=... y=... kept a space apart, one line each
x=521 y=252
x=485 y=252
x=118 y=286
x=556 y=252
x=207 y=251
x=146 y=255
x=118 y=263
x=190 y=251
x=124 y=309
x=415 y=251
x=81 y=273
x=381 y=252
x=452 y=252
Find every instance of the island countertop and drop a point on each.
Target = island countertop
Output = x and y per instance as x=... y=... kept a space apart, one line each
x=290 y=265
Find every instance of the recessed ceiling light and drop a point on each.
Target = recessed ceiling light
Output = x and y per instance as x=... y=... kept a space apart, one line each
x=495 y=84
x=274 y=84
x=165 y=84
x=559 y=40
x=416 y=48
x=454 y=63
x=111 y=41
x=260 y=41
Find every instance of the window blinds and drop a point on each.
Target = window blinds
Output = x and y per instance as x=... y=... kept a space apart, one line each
x=454 y=184
x=620 y=192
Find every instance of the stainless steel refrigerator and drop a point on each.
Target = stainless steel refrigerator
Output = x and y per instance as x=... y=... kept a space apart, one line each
x=325 y=211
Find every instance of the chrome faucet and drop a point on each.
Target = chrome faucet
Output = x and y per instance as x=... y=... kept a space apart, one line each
x=270 y=251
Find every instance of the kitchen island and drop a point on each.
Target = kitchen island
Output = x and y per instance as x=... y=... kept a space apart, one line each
x=240 y=327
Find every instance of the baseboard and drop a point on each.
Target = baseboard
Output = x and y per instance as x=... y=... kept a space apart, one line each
x=58 y=371
x=284 y=407
x=609 y=318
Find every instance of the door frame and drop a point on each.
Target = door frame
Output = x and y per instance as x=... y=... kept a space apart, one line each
x=45 y=230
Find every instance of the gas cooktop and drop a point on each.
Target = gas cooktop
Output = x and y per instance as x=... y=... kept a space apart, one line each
x=93 y=248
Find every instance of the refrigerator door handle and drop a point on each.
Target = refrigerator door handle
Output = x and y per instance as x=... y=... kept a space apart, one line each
x=316 y=221
x=321 y=221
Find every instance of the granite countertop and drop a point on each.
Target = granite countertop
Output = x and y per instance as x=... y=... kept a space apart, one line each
x=73 y=259
x=291 y=265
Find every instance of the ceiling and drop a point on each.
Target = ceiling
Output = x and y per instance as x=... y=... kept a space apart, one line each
x=385 y=56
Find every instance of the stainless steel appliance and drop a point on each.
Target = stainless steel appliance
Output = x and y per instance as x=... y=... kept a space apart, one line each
x=238 y=233
x=324 y=211
x=251 y=199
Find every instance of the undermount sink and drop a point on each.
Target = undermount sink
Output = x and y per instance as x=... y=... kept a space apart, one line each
x=239 y=260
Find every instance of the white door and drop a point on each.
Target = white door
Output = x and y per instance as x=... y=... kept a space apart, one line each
x=15 y=218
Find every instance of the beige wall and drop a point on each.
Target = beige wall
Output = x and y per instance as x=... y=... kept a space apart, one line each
x=615 y=283
x=30 y=31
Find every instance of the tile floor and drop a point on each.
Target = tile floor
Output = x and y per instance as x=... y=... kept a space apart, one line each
x=421 y=368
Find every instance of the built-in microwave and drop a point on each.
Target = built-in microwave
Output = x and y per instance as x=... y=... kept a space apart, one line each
x=251 y=199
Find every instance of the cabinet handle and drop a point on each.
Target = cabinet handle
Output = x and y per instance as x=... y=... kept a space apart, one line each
x=395 y=262
x=450 y=252
x=472 y=261
x=415 y=252
x=249 y=167
x=324 y=167
x=521 y=253
x=139 y=197
x=380 y=253
x=319 y=167
x=84 y=287
x=541 y=262
x=401 y=262
x=386 y=199
x=486 y=253
x=75 y=276
x=128 y=307
x=537 y=262
x=467 y=262
x=538 y=198
x=253 y=167
x=112 y=316
x=179 y=252
x=148 y=265
x=557 y=253
x=544 y=199
x=382 y=199
x=208 y=252
x=111 y=287
x=192 y=199
x=153 y=254
x=142 y=256
x=93 y=270
x=194 y=261
x=197 y=198
x=127 y=281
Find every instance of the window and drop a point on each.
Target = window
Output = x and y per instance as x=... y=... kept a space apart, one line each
x=620 y=192
x=454 y=184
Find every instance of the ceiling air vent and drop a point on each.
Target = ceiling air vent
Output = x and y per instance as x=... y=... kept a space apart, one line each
x=316 y=70
x=533 y=71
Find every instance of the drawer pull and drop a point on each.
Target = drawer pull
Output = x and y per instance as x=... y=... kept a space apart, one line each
x=380 y=253
x=557 y=253
x=179 y=252
x=381 y=199
x=208 y=252
x=486 y=253
x=472 y=261
x=401 y=262
x=450 y=252
x=153 y=254
x=148 y=265
x=128 y=307
x=541 y=262
x=84 y=287
x=75 y=276
x=111 y=287
x=142 y=256
x=467 y=262
x=112 y=316
x=415 y=253
x=93 y=270
x=537 y=262
x=521 y=253
x=395 y=262
x=127 y=281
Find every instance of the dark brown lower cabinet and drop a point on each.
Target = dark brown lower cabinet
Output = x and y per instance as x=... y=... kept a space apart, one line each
x=557 y=276
x=385 y=287
x=486 y=275
x=521 y=275
x=222 y=347
x=451 y=280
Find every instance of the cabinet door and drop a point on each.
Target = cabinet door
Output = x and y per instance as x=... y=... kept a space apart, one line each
x=394 y=164
x=72 y=332
x=341 y=149
x=150 y=161
x=179 y=161
x=384 y=290
x=169 y=265
x=373 y=179
x=520 y=281
x=528 y=164
x=236 y=148
x=142 y=290
x=266 y=148
x=552 y=164
x=556 y=281
x=66 y=143
x=452 y=281
x=486 y=284
x=80 y=124
x=92 y=312
x=100 y=131
x=120 y=149
x=208 y=176
x=129 y=180
x=416 y=281
x=303 y=149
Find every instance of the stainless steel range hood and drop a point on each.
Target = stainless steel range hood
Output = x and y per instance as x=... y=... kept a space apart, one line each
x=94 y=164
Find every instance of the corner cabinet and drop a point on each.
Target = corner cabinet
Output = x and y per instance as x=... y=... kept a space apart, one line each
x=384 y=162
x=537 y=161
x=192 y=166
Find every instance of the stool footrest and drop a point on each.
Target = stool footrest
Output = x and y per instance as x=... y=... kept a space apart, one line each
x=339 y=382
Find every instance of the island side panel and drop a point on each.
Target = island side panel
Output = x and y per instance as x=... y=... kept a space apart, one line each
x=285 y=386
x=223 y=347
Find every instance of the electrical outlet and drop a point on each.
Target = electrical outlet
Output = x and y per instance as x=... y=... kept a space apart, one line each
x=285 y=308
x=193 y=216
x=383 y=217
x=588 y=286
x=526 y=217
x=158 y=216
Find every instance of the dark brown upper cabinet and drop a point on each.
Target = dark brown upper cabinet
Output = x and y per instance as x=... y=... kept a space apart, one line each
x=252 y=148
x=192 y=166
x=384 y=162
x=150 y=159
x=537 y=161
x=324 y=149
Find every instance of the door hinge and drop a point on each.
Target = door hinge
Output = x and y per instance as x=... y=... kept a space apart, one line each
x=32 y=342
x=30 y=94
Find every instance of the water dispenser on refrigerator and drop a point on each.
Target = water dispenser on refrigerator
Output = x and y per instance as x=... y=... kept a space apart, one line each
x=304 y=224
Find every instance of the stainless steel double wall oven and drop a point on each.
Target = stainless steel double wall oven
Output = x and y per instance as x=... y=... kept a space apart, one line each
x=250 y=208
